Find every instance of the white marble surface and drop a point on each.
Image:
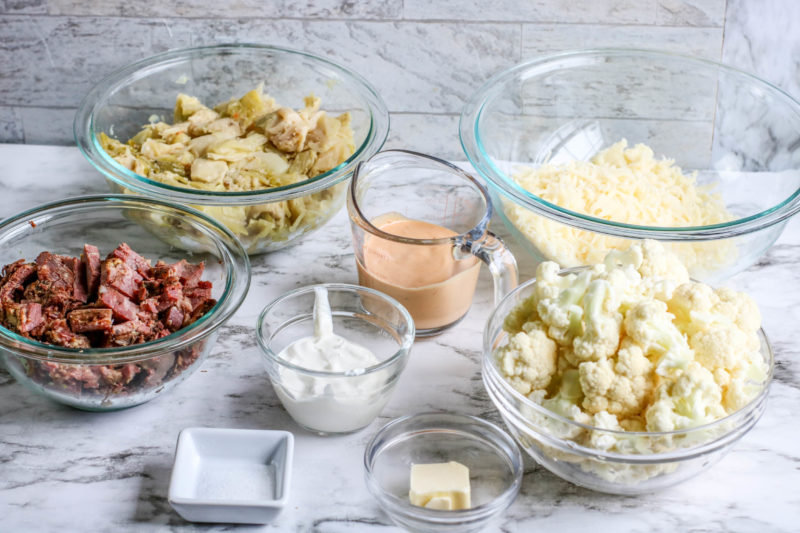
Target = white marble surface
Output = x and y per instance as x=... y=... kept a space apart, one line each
x=66 y=470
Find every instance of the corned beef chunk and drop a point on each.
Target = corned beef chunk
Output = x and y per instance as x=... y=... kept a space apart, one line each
x=22 y=317
x=91 y=260
x=150 y=305
x=92 y=302
x=93 y=319
x=114 y=272
x=14 y=276
x=117 y=376
x=131 y=332
x=58 y=332
x=198 y=295
x=55 y=269
x=122 y=307
x=132 y=259
x=174 y=319
x=188 y=273
x=80 y=291
x=201 y=310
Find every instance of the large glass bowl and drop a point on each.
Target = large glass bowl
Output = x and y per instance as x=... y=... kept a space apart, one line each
x=653 y=460
x=123 y=102
x=84 y=378
x=733 y=129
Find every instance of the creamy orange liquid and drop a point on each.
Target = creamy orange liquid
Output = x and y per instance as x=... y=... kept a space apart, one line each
x=435 y=288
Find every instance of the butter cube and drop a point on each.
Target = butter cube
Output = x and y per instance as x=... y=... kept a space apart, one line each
x=443 y=486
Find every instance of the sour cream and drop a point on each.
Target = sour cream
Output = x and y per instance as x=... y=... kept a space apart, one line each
x=336 y=404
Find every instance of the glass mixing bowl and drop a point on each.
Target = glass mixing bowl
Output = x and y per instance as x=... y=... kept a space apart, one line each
x=736 y=131
x=85 y=378
x=123 y=102
x=327 y=402
x=653 y=460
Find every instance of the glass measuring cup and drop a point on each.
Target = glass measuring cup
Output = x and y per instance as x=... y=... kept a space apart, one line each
x=420 y=232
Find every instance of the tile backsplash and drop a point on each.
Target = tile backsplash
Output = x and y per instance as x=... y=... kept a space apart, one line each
x=425 y=58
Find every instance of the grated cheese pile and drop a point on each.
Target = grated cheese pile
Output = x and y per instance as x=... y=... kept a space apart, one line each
x=624 y=185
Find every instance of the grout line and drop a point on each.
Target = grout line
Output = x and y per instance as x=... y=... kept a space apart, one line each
x=28 y=106
x=444 y=114
x=367 y=20
x=724 y=26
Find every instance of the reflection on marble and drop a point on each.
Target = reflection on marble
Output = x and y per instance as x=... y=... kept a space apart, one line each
x=66 y=470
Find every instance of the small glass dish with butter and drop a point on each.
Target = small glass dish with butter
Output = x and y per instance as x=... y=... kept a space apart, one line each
x=423 y=458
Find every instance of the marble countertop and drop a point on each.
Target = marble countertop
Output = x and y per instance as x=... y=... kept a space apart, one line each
x=67 y=470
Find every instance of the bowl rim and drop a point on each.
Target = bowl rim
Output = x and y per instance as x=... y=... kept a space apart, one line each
x=472 y=146
x=488 y=367
x=500 y=439
x=402 y=351
x=86 y=137
x=229 y=302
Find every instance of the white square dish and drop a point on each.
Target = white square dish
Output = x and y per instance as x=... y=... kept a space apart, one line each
x=231 y=475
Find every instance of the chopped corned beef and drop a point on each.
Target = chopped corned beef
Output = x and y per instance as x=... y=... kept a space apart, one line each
x=91 y=259
x=56 y=269
x=132 y=259
x=79 y=289
x=122 y=307
x=90 y=302
x=86 y=320
x=58 y=332
x=173 y=319
x=14 y=276
x=22 y=317
x=114 y=272
x=119 y=300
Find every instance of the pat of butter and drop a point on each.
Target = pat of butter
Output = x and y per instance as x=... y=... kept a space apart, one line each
x=443 y=486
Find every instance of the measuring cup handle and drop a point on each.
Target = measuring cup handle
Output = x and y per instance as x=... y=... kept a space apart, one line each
x=492 y=250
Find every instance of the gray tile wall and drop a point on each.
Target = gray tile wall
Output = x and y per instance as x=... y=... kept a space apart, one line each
x=424 y=57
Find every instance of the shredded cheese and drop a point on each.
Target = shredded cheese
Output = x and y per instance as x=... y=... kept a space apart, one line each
x=624 y=185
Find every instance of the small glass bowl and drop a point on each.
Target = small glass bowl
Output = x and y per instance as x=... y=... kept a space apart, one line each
x=493 y=459
x=122 y=103
x=84 y=378
x=331 y=403
x=651 y=461
x=735 y=130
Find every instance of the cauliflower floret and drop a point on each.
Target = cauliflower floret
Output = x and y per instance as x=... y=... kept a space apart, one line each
x=626 y=289
x=692 y=304
x=744 y=386
x=693 y=399
x=633 y=257
x=525 y=311
x=561 y=310
x=548 y=282
x=660 y=263
x=650 y=326
x=738 y=307
x=723 y=346
x=566 y=401
x=528 y=360
x=620 y=386
x=601 y=326
x=602 y=440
